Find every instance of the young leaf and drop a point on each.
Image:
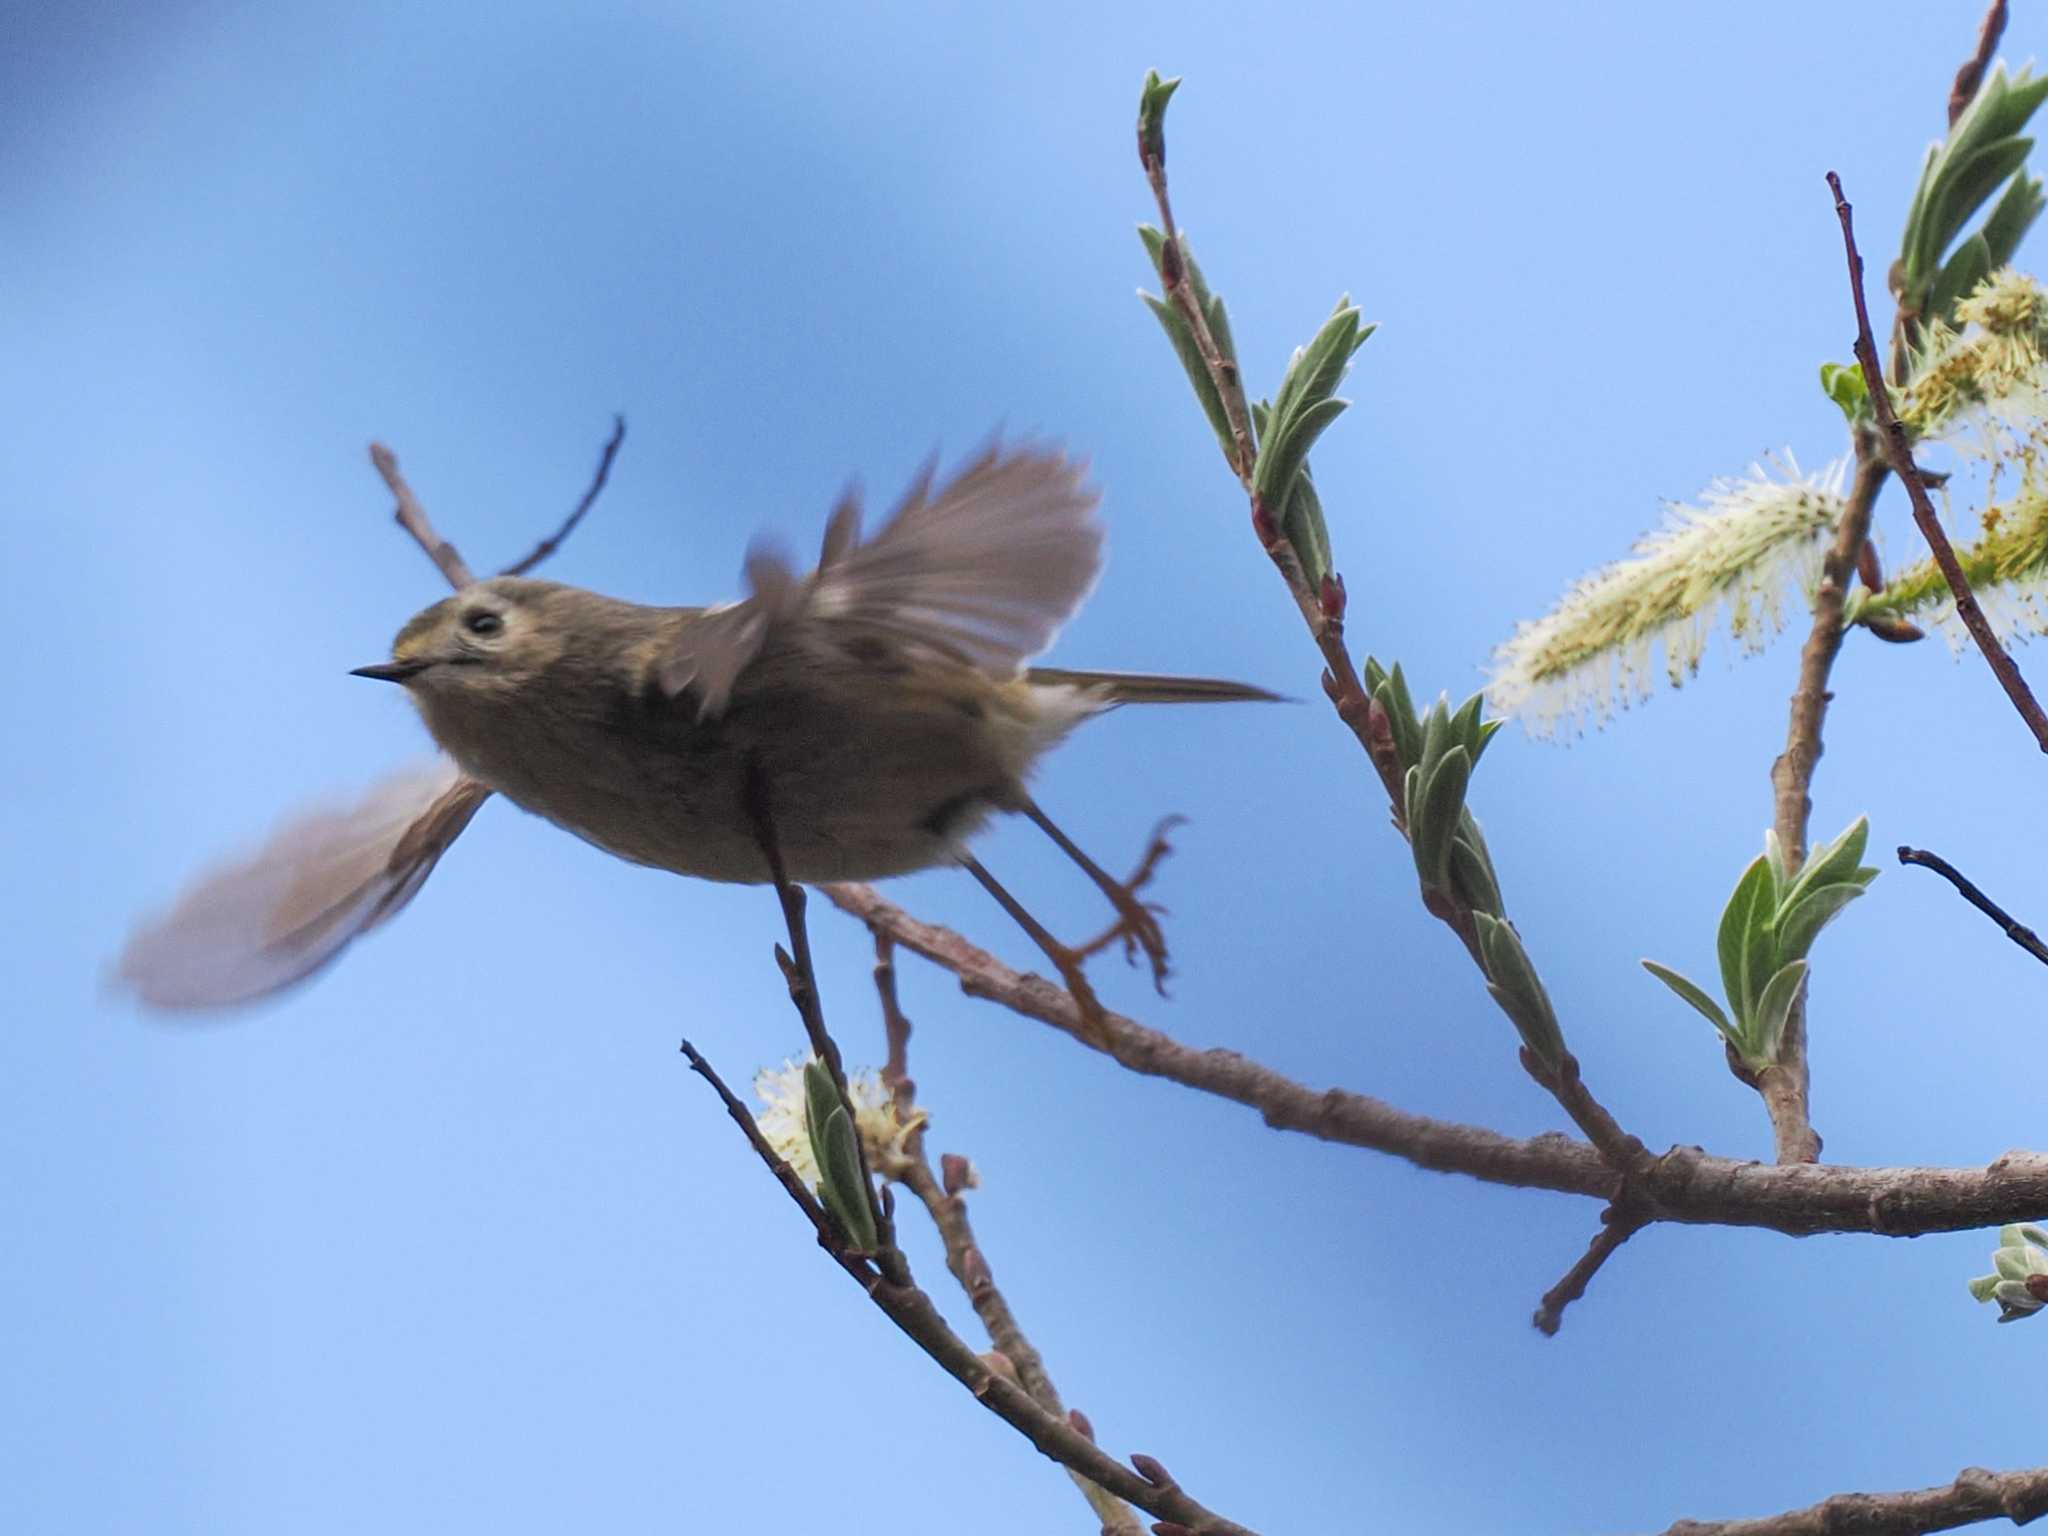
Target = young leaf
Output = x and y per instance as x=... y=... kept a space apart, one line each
x=1773 y=1008
x=1799 y=924
x=1443 y=797
x=1693 y=994
x=1749 y=909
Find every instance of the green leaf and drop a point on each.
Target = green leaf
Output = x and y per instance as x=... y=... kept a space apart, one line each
x=1844 y=384
x=1152 y=100
x=1286 y=447
x=2012 y=1263
x=1472 y=876
x=1400 y=710
x=841 y=1187
x=1303 y=526
x=1436 y=735
x=1773 y=1008
x=821 y=1097
x=1832 y=862
x=1983 y=1286
x=1488 y=729
x=1748 y=912
x=1515 y=986
x=1443 y=797
x=1968 y=267
x=2012 y=218
x=1800 y=923
x=1693 y=994
x=1175 y=324
x=1965 y=186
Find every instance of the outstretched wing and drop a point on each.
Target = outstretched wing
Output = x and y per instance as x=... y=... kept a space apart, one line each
x=252 y=928
x=985 y=569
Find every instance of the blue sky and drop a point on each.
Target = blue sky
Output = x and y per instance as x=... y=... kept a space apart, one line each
x=452 y=1239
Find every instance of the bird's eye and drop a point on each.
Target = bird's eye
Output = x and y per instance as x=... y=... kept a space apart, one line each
x=483 y=622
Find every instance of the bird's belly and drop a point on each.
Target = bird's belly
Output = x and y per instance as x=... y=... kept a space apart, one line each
x=858 y=805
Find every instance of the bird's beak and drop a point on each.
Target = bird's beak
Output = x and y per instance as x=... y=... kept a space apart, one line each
x=392 y=671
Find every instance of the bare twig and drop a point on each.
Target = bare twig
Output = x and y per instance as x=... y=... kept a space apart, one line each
x=1971 y=75
x=1683 y=1185
x=553 y=541
x=1617 y=1226
x=1892 y=435
x=2012 y=928
x=412 y=517
x=895 y=1029
x=912 y=1311
x=1975 y=1495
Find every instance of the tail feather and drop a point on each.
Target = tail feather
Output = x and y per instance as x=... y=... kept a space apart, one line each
x=1142 y=688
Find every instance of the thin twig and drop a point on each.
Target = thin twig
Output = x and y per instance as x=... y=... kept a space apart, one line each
x=1617 y=1227
x=802 y=980
x=553 y=541
x=1975 y=1495
x=1783 y=1085
x=1180 y=292
x=2013 y=929
x=912 y=1311
x=1892 y=434
x=1971 y=75
x=412 y=517
x=1683 y=1185
x=895 y=1029
x=797 y=1190
x=964 y=1258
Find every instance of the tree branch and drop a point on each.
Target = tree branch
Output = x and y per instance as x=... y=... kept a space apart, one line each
x=1616 y=1227
x=412 y=517
x=2013 y=929
x=1975 y=1495
x=912 y=1311
x=1892 y=435
x=1783 y=1086
x=1684 y=1185
x=553 y=541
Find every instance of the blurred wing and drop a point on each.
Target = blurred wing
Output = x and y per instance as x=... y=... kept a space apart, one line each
x=252 y=928
x=985 y=569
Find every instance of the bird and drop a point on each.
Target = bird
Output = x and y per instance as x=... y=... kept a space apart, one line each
x=860 y=721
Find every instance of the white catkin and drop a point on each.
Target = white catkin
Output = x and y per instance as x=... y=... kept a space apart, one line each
x=1733 y=553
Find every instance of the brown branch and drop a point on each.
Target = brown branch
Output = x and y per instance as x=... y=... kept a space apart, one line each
x=969 y=1265
x=1783 y=1086
x=1616 y=1228
x=1971 y=75
x=2013 y=929
x=1892 y=435
x=412 y=517
x=912 y=1311
x=1975 y=1495
x=943 y=1199
x=553 y=541
x=802 y=980
x=1683 y=1185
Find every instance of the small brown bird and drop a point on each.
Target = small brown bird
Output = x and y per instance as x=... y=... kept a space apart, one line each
x=865 y=718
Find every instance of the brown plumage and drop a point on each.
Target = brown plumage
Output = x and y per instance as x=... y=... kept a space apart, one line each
x=878 y=705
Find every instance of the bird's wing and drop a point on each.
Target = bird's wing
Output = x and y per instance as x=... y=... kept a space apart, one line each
x=984 y=568
x=254 y=927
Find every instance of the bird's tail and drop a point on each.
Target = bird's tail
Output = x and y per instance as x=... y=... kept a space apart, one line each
x=1140 y=688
